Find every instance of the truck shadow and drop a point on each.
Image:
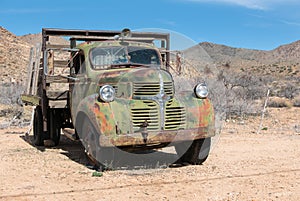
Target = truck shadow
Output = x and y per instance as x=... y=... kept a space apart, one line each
x=115 y=159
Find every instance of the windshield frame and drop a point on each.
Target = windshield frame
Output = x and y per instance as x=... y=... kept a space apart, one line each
x=128 y=62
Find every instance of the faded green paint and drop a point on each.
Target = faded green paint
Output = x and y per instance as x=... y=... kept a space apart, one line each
x=31 y=100
x=200 y=112
x=120 y=123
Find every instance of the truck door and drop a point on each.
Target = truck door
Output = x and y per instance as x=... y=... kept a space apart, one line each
x=79 y=87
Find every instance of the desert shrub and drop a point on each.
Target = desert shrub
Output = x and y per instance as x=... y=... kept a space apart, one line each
x=10 y=93
x=279 y=102
x=288 y=87
x=242 y=91
x=296 y=101
x=290 y=90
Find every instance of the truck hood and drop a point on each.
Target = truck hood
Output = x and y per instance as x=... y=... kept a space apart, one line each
x=134 y=75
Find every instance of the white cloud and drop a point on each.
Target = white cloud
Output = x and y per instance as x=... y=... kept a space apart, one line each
x=290 y=23
x=252 y=4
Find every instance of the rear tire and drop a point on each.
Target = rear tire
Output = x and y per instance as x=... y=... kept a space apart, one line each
x=195 y=152
x=38 y=133
x=54 y=126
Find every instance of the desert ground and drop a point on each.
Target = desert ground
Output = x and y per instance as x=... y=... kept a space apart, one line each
x=242 y=165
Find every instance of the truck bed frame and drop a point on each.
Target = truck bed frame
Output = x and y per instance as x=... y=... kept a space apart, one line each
x=42 y=66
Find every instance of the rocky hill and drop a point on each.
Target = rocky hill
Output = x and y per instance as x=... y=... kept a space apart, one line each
x=34 y=39
x=287 y=53
x=222 y=54
x=282 y=61
x=14 y=53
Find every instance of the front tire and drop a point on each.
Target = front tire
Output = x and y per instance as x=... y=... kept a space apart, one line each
x=195 y=152
x=101 y=158
x=90 y=141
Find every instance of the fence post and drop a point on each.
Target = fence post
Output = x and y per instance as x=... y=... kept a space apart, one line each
x=263 y=112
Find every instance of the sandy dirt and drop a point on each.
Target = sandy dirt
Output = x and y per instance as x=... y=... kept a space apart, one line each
x=243 y=165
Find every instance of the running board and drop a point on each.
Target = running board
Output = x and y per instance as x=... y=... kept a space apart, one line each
x=70 y=133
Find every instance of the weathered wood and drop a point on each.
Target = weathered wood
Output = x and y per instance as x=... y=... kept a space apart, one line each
x=29 y=71
x=56 y=79
x=70 y=133
x=50 y=62
x=61 y=63
x=56 y=46
x=263 y=112
x=35 y=72
x=59 y=95
x=30 y=99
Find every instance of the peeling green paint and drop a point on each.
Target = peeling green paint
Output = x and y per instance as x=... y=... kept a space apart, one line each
x=145 y=101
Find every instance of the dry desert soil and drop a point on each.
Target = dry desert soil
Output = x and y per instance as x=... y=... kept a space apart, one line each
x=242 y=165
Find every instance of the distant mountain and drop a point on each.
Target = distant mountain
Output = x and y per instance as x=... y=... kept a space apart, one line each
x=224 y=54
x=282 y=61
x=289 y=52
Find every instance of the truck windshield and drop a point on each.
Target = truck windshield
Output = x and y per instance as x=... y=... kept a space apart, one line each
x=107 y=57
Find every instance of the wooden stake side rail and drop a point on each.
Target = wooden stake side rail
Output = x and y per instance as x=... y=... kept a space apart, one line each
x=37 y=87
x=42 y=70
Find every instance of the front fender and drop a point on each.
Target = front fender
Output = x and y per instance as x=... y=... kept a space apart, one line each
x=199 y=112
x=99 y=113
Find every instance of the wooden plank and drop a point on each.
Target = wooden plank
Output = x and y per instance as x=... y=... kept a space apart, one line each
x=57 y=46
x=30 y=99
x=70 y=133
x=29 y=71
x=61 y=63
x=56 y=79
x=36 y=67
x=59 y=95
x=50 y=62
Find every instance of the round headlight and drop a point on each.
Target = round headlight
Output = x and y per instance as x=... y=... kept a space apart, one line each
x=201 y=90
x=107 y=93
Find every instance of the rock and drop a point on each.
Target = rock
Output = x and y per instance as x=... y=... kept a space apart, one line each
x=4 y=125
x=49 y=143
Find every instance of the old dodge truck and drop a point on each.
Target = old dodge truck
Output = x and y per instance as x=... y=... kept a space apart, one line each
x=115 y=89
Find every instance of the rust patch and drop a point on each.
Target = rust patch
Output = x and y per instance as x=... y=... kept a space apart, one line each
x=206 y=113
x=158 y=137
x=96 y=109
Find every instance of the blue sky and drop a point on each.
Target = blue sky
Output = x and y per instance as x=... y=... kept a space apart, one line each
x=254 y=24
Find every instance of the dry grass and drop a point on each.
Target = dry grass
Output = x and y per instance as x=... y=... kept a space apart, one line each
x=296 y=101
x=279 y=102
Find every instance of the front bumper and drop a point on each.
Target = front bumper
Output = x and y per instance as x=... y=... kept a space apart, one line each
x=158 y=137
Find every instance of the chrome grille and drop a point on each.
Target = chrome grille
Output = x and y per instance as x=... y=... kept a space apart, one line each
x=175 y=118
x=149 y=114
x=151 y=89
x=168 y=88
